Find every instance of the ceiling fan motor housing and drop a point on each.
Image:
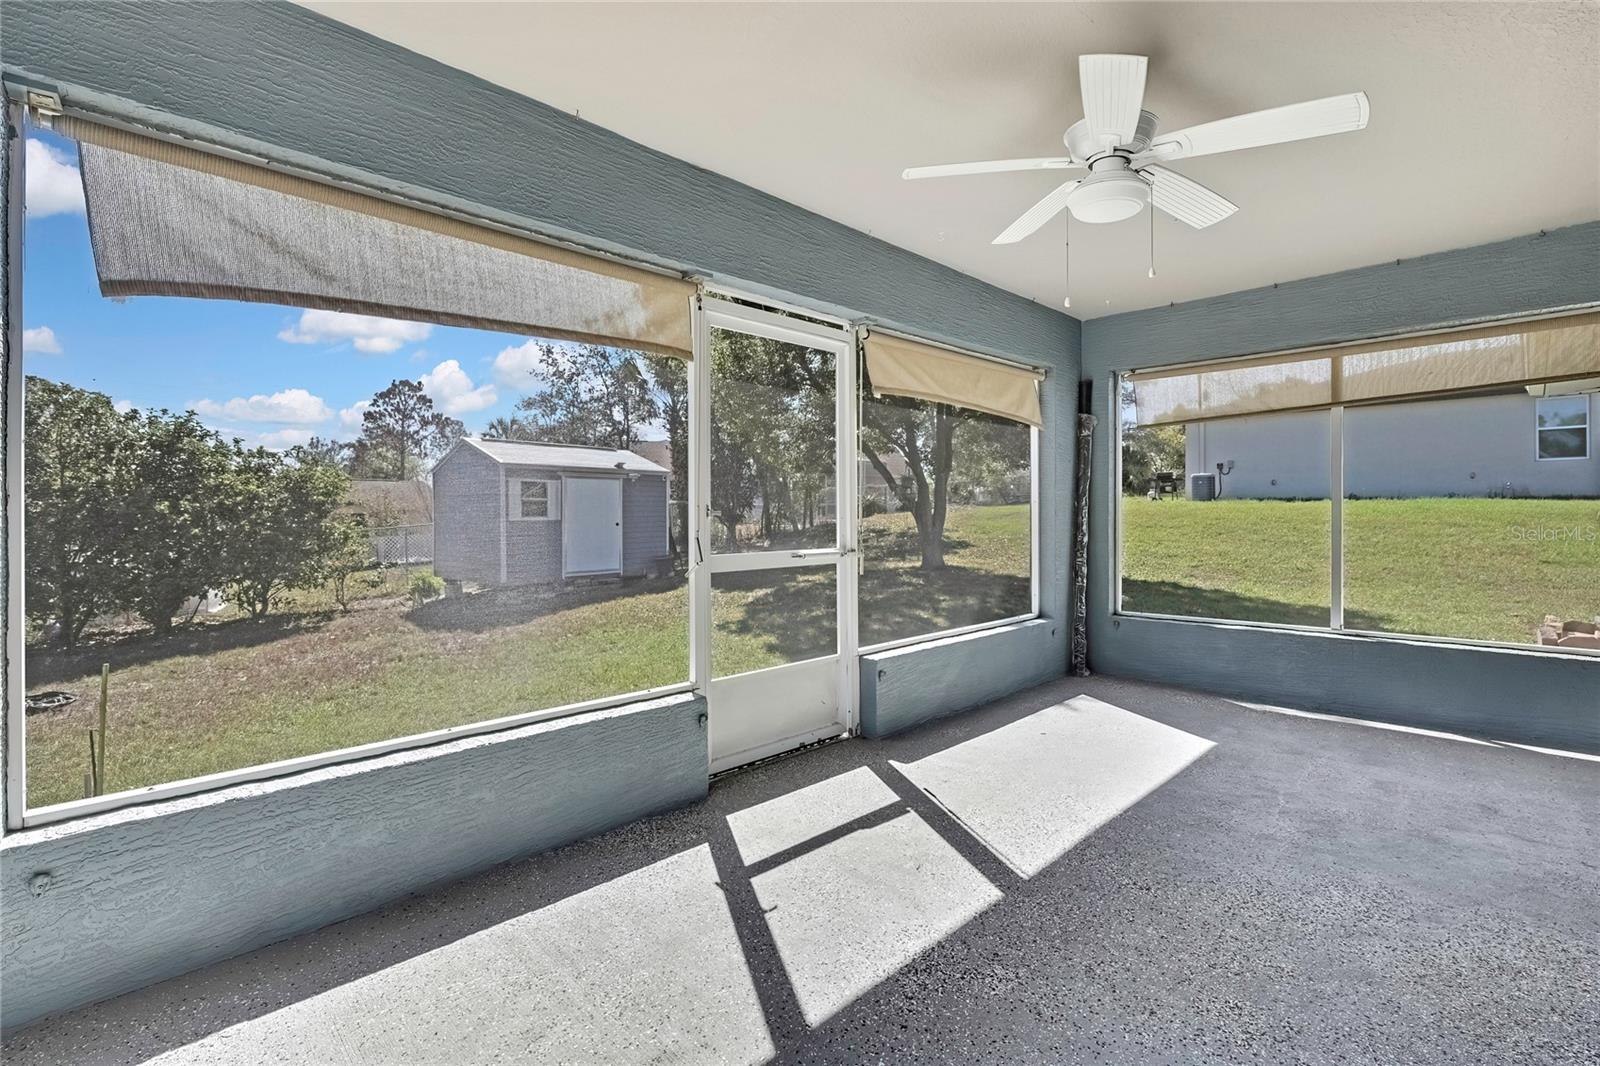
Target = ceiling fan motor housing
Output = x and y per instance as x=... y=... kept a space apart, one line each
x=1110 y=193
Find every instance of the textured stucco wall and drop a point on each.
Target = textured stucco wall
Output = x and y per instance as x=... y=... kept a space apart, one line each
x=155 y=891
x=146 y=893
x=909 y=686
x=1471 y=446
x=1531 y=696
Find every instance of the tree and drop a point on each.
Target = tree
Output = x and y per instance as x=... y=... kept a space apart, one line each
x=592 y=395
x=924 y=434
x=671 y=380
x=172 y=516
x=351 y=554
x=337 y=453
x=1147 y=450
x=401 y=424
x=285 y=532
x=79 y=448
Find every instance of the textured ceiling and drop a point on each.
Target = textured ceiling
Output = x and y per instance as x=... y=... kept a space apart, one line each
x=1485 y=119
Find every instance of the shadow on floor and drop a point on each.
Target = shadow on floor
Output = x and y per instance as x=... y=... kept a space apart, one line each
x=1254 y=903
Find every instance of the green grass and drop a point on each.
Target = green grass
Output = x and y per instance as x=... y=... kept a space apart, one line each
x=1479 y=569
x=230 y=692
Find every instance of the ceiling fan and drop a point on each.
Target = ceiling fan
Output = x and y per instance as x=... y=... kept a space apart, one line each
x=1117 y=142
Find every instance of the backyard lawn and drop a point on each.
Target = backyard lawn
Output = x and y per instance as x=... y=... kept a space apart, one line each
x=1482 y=569
x=230 y=692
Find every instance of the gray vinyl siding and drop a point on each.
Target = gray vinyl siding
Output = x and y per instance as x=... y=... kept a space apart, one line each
x=466 y=517
x=533 y=546
x=644 y=524
x=1473 y=446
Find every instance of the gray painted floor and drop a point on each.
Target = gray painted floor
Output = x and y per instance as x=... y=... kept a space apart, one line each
x=1147 y=875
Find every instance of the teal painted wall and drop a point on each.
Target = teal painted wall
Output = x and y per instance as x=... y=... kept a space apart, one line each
x=1526 y=696
x=169 y=888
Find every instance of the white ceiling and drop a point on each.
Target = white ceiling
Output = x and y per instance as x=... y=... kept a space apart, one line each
x=1485 y=119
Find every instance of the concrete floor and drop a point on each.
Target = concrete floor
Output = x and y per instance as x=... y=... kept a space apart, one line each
x=1149 y=875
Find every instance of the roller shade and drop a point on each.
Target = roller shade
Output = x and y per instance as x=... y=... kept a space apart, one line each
x=1516 y=355
x=901 y=367
x=168 y=220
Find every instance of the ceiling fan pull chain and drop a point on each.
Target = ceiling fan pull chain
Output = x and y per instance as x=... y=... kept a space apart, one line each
x=1068 y=271
x=1151 y=211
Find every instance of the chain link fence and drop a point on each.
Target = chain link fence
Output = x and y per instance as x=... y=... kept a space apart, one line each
x=401 y=545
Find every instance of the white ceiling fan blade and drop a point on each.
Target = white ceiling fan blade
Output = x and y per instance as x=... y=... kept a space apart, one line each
x=988 y=166
x=1038 y=214
x=1113 y=93
x=1296 y=122
x=1186 y=199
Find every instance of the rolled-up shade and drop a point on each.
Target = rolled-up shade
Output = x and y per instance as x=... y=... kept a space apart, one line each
x=168 y=220
x=901 y=367
x=1514 y=355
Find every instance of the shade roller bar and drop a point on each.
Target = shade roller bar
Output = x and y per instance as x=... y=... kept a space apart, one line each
x=169 y=220
x=1505 y=356
x=901 y=367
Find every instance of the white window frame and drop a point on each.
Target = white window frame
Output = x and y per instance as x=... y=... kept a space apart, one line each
x=18 y=815
x=552 y=499
x=1336 y=626
x=1033 y=566
x=1587 y=427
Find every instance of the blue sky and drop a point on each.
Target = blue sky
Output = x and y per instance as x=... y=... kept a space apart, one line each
x=269 y=374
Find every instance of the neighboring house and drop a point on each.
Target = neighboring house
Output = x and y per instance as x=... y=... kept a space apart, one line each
x=658 y=452
x=1503 y=444
x=390 y=503
x=525 y=512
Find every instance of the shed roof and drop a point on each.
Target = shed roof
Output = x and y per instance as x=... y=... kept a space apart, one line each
x=562 y=456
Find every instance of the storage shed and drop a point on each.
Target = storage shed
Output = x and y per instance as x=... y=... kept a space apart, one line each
x=511 y=512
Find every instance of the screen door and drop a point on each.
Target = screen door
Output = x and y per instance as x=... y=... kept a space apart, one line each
x=774 y=544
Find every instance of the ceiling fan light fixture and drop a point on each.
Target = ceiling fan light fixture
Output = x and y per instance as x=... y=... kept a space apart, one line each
x=1111 y=198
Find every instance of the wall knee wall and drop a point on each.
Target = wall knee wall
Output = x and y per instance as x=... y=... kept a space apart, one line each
x=1530 y=696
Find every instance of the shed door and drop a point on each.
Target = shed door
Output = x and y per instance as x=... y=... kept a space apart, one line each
x=591 y=525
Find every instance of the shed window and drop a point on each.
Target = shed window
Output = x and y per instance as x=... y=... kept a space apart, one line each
x=1563 y=427
x=538 y=499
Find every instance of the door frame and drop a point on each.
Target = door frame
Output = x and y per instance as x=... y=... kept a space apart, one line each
x=711 y=312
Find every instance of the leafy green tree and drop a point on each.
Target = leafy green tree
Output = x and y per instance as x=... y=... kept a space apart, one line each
x=337 y=453
x=591 y=395
x=351 y=554
x=1148 y=450
x=671 y=380
x=172 y=516
x=401 y=425
x=285 y=532
x=79 y=453
x=924 y=434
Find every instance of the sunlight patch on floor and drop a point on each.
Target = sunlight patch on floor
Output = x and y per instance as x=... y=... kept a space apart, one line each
x=854 y=911
x=1034 y=789
x=647 y=966
x=779 y=824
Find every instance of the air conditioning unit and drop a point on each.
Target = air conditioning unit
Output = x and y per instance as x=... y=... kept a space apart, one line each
x=1202 y=486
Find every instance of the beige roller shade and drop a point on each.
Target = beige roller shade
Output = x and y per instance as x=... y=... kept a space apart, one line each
x=901 y=367
x=1507 y=356
x=168 y=220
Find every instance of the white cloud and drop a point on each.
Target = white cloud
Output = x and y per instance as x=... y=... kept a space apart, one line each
x=278 y=440
x=350 y=417
x=522 y=367
x=296 y=406
x=449 y=386
x=367 y=332
x=54 y=186
x=41 y=339
x=287 y=437
x=122 y=407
